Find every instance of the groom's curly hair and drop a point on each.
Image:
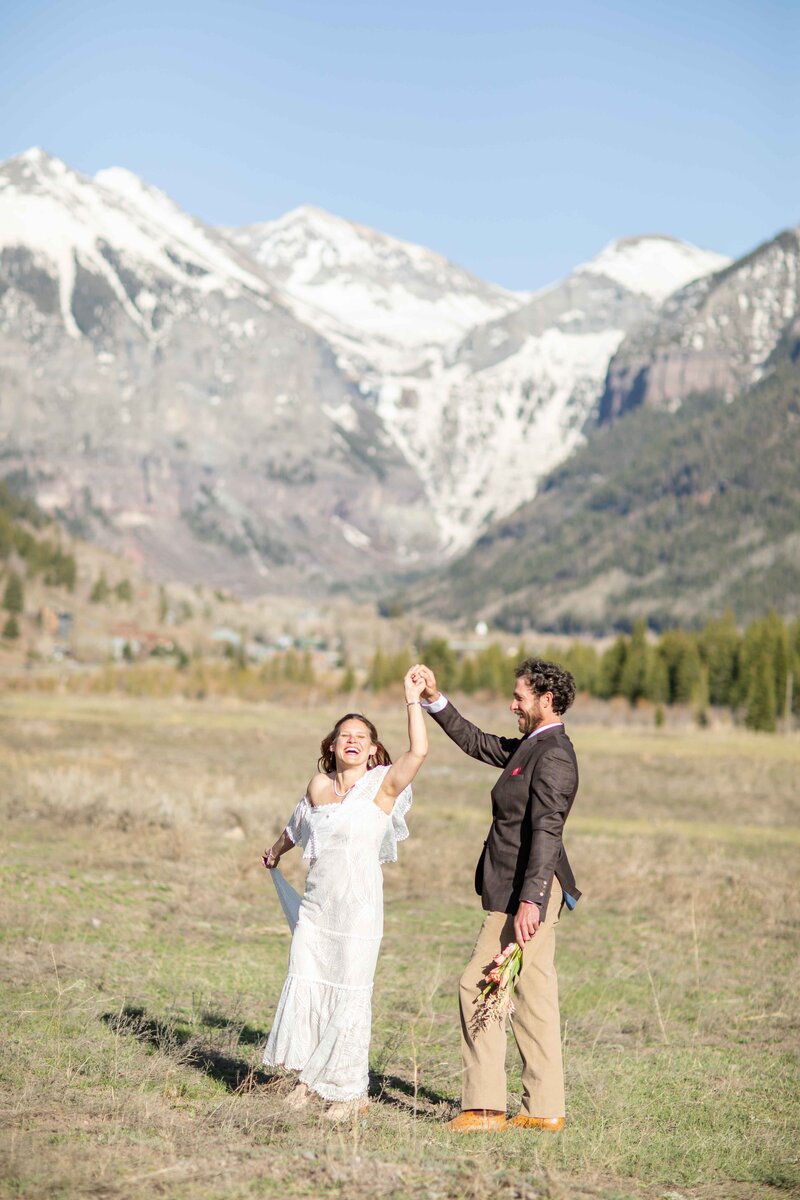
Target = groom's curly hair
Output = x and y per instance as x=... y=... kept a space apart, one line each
x=327 y=758
x=544 y=677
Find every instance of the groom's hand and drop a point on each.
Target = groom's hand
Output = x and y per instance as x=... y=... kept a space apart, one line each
x=526 y=922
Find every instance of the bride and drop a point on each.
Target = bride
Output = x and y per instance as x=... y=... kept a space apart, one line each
x=348 y=823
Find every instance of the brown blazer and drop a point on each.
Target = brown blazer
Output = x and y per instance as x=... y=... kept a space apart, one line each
x=530 y=803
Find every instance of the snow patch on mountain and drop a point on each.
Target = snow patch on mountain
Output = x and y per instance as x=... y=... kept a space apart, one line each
x=367 y=291
x=654 y=265
x=482 y=440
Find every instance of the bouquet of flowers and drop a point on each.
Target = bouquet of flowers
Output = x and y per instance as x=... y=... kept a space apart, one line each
x=496 y=990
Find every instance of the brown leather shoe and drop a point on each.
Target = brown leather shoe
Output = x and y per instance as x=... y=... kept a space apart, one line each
x=477 y=1120
x=548 y=1124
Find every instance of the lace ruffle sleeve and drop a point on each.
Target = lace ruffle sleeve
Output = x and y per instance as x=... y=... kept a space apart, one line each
x=397 y=830
x=297 y=827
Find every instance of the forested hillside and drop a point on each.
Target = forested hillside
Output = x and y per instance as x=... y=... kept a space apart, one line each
x=674 y=517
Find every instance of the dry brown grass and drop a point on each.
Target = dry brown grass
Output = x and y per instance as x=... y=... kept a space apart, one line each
x=144 y=953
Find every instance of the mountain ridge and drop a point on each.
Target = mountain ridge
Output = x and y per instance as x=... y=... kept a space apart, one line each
x=211 y=416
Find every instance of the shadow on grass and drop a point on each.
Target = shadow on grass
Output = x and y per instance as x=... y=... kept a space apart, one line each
x=382 y=1087
x=235 y=1074
x=246 y=1035
x=239 y=1076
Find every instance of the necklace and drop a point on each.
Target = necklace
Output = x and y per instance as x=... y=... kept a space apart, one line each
x=336 y=791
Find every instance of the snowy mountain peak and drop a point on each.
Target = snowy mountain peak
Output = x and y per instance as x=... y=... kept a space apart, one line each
x=135 y=191
x=350 y=280
x=35 y=156
x=114 y=236
x=653 y=265
x=36 y=169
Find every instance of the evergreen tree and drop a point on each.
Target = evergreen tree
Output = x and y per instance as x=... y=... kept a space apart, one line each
x=13 y=596
x=347 y=683
x=377 y=675
x=657 y=685
x=776 y=637
x=11 y=627
x=583 y=661
x=306 y=675
x=612 y=665
x=292 y=667
x=700 y=697
x=493 y=670
x=633 y=676
x=765 y=642
x=61 y=570
x=761 y=707
x=124 y=591
x=6 y=535
x=719 y=645
x=794 y=663
x=439 y=655
x=467 y=682
x=100 y=591
x=682 y=659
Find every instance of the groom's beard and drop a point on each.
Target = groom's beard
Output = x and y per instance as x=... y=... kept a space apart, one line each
x=527 y=723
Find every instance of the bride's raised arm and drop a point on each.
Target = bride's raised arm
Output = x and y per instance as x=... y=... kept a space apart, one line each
x=401 y=772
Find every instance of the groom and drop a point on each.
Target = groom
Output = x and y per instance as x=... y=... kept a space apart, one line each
x=524 y=879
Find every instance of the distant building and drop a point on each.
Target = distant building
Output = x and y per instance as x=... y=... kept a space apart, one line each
x=139 y=642
x=228 y=637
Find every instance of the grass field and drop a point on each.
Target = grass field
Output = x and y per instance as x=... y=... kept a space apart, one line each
x=144 y=952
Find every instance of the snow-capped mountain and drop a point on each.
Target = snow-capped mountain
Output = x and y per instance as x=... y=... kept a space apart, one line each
x=719 y=334
x=302 y=399
x=161 y=397
x=380 y=300
x=484 y=390
x=492 y=415
x=653 y=265
x=141 y=251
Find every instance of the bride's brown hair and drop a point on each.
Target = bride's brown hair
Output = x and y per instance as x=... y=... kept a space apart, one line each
x=327 y=758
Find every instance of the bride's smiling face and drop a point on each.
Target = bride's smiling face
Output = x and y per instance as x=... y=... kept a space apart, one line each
x=353 y=746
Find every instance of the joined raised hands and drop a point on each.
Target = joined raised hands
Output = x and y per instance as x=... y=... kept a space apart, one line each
x=413 y=683
x=430 y=691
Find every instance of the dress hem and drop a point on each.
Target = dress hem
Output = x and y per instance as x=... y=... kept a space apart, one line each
x=333 y=1095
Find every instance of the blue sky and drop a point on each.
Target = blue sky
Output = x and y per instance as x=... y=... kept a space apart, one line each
x=516 y=138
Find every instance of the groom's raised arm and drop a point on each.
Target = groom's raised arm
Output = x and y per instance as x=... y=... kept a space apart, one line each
x=486 y=747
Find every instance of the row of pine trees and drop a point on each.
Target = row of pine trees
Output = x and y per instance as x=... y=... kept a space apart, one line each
x=754 y=672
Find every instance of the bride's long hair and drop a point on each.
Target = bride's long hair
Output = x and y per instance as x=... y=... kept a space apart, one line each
x=327 y=758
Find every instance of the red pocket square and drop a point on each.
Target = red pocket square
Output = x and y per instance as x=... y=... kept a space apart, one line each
x=517 y=771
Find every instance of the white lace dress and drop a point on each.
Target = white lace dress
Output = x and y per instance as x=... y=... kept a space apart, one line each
x=322 y=1024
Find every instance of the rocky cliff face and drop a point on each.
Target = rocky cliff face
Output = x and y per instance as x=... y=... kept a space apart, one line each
x=720 y=334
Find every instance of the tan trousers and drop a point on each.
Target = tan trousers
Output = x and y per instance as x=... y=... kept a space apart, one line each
x=536 y=1022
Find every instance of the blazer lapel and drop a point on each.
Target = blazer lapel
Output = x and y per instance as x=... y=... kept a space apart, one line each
x=526 y=749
